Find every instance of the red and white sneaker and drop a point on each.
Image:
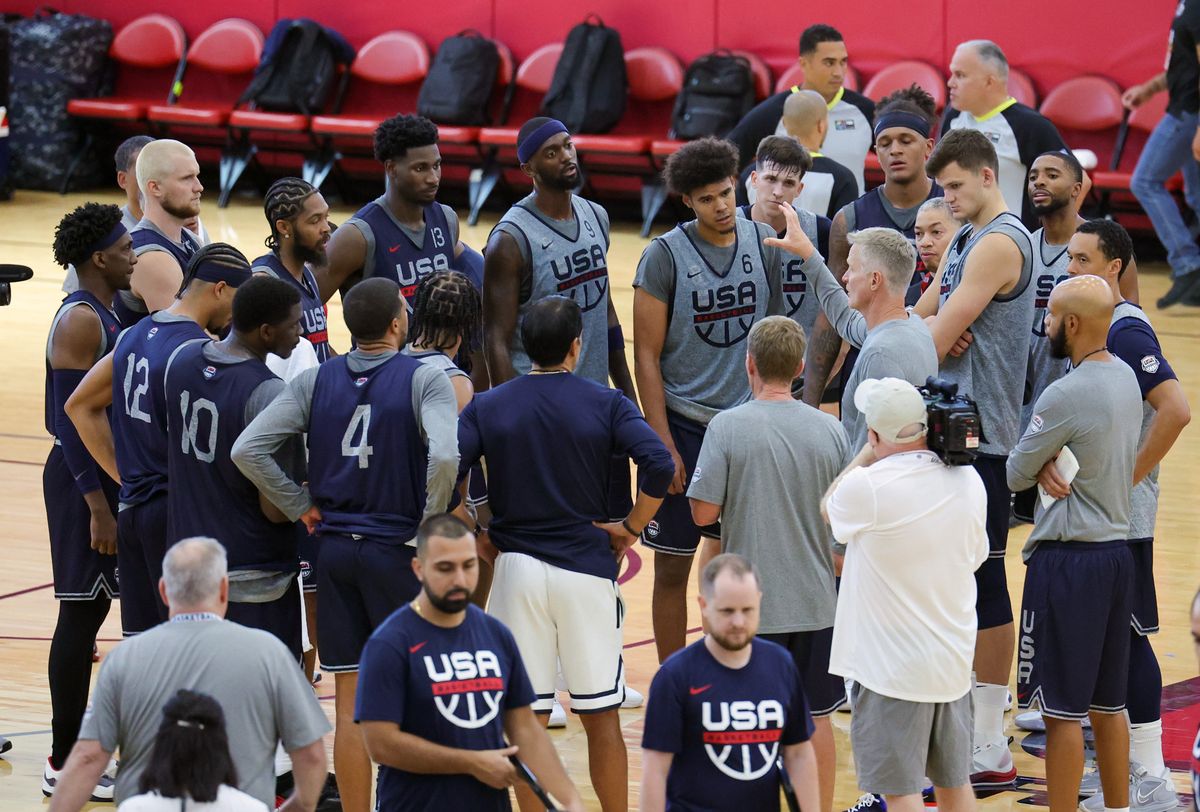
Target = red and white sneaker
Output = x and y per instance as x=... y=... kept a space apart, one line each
x=992 y=766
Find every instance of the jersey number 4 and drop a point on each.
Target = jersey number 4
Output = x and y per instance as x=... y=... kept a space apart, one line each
x=362 y=416
x=135 y=367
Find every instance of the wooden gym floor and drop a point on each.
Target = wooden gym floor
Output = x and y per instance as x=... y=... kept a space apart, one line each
x=27 y=606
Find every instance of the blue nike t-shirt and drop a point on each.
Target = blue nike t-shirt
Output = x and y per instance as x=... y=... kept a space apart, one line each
x=725 y=726
x=449 y=686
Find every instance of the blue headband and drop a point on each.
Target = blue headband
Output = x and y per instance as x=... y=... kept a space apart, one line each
x=899 y=118
x=212 y=270
x=533 y=142
x=118 y=231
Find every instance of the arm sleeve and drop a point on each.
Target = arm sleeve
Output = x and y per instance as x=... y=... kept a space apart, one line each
x=382 y=683
x=1134 y=342
x=79 y=462
x=848 y=322
x=756 y=125
x=1051 y=427
x=437 y=418
x=636 y=439
x=710 y=479
x=852 y=507
x=290 y=456
x=285 y=418
x=663 y=726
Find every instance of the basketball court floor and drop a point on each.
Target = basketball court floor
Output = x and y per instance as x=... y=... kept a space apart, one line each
x=28 y=611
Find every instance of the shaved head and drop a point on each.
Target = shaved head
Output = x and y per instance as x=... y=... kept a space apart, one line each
x=159 y=159
x=1087 y=297
x=802 y=111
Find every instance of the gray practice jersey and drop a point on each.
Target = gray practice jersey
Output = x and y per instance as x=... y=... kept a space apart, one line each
x=714 y=295
x=798 y=303
x=1143 y=510
x=992 y=370
x=1095 y=411
x=1049 y=268
x=566 y=258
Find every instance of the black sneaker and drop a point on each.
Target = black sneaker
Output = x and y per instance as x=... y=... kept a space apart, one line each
x=1183 y=289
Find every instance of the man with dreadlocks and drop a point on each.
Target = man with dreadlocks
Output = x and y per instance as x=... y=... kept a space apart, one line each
x=132 y=448
x=80 y=500
x=299 y=220
x=447 y=315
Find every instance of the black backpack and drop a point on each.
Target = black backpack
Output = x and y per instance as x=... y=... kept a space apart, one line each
x=718 y=89
x=298 y=68
x=460 y=80
x=589 y=87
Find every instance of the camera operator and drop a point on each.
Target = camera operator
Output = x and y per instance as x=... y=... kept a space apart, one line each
x=914 y=530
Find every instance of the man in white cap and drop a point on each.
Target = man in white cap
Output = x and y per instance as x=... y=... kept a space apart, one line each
x=914 y=534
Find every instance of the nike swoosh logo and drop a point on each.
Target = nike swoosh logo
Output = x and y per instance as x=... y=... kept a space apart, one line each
x=417 y=647
x=545 y=244
x=694 y=275
x=700 y=690
x=1142 y=800
x=393 y=248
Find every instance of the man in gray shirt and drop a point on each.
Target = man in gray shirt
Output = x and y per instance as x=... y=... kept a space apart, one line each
x=258 y=683
x=762 y=470
x=699 y=289
x=870 y=312
x=1076 y=605
x=383 y=453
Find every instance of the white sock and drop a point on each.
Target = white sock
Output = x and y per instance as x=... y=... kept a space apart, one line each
x=989 y=712
x=1145 y=746
x=283 y=762
x=1116 y=809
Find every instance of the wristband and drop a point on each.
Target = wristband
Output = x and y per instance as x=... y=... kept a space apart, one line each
x=628 y=529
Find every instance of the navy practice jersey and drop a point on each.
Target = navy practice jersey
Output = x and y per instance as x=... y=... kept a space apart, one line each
x=110 y=325
x=148 y=238
x=354 y=413
x=313 y=314
x=393 y=253
x=140 y=414
x=449 y=686
x=725 y=727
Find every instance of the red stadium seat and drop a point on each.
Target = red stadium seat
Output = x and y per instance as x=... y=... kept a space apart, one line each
x=1143 y=119
x=1021 y=88
x=1086 y=104
x=230 y=49
x=900 y=75
x=794 y=77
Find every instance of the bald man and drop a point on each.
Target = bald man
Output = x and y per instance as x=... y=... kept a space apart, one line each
x=169 y=179
x=979 y=100
x=1077 y=601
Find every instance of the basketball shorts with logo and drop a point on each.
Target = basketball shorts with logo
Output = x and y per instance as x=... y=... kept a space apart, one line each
x=993 y=605
x=1145 y=597
x=361 y=581
x=672 y=529
x=1073 y=638
x=558 y=616
x=309 y=551
x=80 y=573
x=825 y=692
x=141 y=545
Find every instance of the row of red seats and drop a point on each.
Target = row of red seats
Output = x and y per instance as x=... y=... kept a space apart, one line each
x=637 y=147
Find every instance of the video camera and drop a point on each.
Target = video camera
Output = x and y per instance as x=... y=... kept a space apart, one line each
x=952 y=420
x=8 y=275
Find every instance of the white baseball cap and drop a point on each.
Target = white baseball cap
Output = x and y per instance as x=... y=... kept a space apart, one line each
x=890 y=405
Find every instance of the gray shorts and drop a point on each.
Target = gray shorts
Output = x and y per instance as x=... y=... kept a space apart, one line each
x=897 y=744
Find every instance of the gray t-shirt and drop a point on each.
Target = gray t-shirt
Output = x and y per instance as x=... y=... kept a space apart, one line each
x=768 y=463
x=1096 y=411
x=714 y=295
x=260 y=687
x=1049 y=268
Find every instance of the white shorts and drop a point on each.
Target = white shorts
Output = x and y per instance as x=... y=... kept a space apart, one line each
x=557 y=615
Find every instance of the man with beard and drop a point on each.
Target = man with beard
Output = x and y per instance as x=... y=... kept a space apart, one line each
x=382 y=453
x=695 y=753
x=1079 y=581
x=299 y=219
x=444 y=702
x=168 y=177
x=80 y=498
x=134 y=443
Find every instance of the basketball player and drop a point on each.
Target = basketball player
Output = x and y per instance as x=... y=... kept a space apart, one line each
x=1103 y=248
x=979 y=100
x=382 y=453
x=698 y=290
x=125 y=160
x=135 y=442
x=981 y=309
x=445 y=701
x=556 y=577
x=932 y=230
x=903 y=140
x=405 y=234
x=1079 y=589
x=299 y=220
x=80 y=499
x=824 y=58
x=778 y=176
x=169 y=181
x=728 y=712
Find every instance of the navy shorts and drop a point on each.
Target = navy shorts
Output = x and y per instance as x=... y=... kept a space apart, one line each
x=308 y=549
x=280 y=617
x=993 y=606
x=141 y=545
x=1145 y=598
x=824 y=692
x=672 y=529
x=1073 y=647
x=362 y=582
x=80 y=573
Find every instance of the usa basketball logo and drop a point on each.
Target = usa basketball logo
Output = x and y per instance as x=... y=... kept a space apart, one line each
x=209 y=373
x=795 y=286
x=468 y=687
x=582 y=275
x=153 y=332
x=361 y=382
x=723 y=315
x=742 y=738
